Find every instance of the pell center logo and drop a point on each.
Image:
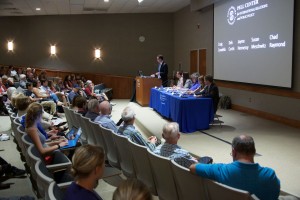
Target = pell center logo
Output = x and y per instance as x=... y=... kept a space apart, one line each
x=231 y=15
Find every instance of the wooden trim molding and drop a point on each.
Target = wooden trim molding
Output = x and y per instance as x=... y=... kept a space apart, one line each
x=260 y=89
x=269 y=116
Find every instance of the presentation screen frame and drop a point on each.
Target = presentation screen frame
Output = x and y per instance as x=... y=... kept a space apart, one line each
x=259 y=57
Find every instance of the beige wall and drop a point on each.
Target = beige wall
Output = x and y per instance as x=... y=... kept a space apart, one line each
x=76 y=37
x=187 y=37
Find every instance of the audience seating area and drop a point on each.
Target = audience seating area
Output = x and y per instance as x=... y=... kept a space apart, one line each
x=164 y=177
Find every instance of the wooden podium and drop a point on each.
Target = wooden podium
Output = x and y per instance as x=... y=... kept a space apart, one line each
x=143 y=89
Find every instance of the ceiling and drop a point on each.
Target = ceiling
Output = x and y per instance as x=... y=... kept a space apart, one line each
x=70 y=7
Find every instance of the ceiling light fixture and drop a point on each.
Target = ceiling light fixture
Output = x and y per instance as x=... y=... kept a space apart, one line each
x=140 y=1
x=106 y=0
x=37 y=9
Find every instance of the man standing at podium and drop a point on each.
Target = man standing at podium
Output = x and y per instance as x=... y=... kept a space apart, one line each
x=162 y=72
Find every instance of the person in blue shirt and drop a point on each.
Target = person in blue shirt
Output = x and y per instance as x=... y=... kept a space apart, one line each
x=243 y=173
x=105 y=117
x=87 y=169
x=195 y=85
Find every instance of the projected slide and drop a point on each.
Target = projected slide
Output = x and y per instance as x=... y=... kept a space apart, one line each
x=253 y=41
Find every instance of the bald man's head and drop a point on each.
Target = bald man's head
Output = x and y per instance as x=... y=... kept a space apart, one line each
x=105 y=108
x=244 y=144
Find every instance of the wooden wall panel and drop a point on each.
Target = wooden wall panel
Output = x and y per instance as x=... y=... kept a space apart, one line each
x=193 y=61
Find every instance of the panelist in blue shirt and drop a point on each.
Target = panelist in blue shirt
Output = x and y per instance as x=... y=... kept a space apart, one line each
x=194 y=77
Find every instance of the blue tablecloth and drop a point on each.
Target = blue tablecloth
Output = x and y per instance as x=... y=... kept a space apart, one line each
x=192 y=114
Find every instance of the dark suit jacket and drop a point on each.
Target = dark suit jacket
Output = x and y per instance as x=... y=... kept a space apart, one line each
x=164 y=74
x=211 y=92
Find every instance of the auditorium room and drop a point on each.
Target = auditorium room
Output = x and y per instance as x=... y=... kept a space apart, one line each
x=149 y=99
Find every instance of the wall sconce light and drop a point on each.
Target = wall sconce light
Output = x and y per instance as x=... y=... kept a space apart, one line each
x=97 y=53
x=53 y=50
x=10 y=46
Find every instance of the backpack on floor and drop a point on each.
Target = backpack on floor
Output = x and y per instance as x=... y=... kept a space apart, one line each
x=225 y=102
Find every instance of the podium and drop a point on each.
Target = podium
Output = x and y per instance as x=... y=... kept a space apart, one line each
x=143 y=89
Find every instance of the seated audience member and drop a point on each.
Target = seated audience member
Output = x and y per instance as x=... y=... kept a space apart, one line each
x=75 y=92
x=132 y=189
x=210 y=90
x=170 y=148
x=62 y=101
x=104 y=117
x=28 y=71
x=9 y=170
x=2 y=71
x=21 y=102
x=73 y=80
x=129 y=130
x=2 y=87
x=80 y=104
x=7 y=82
x=13 y=73
x=89 y=91
x=73 y=105
x=59 y=86
x=37 y=91
x=33 y=117
x=51 y=86
x=30 y=77
x=68 y=83
x=93 y=109
x=46 y=91
x=242 y=173
x=34 y=93
x=87 y=169
x=187 y=83
x=23 y=81
x=43 y=75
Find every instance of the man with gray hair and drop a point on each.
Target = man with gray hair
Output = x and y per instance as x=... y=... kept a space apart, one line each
x=242 y=173
x=93 y=109
x=23 y=81
x=128 y=116
x=170 y=148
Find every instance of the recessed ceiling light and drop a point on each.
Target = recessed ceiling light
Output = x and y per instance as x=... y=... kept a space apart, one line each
x=140 y=1
x=38 y=9
x=106 y=0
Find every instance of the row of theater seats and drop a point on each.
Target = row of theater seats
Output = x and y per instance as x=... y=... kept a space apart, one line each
x=48 y=181
x=164 y=177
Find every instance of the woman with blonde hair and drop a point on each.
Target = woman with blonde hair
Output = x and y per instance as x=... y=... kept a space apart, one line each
x=87 y=169
x=132 y=189
x=33 y=117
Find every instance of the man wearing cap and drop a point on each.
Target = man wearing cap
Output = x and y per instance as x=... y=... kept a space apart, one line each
x=73 y=93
